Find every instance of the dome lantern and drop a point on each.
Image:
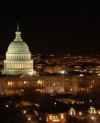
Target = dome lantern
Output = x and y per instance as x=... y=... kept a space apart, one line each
x=18 y=34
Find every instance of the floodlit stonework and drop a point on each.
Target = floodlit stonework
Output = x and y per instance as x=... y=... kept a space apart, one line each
x=18 y=57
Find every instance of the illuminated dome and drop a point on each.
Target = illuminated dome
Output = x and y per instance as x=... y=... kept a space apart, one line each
x=18 y=47
x=18 y=57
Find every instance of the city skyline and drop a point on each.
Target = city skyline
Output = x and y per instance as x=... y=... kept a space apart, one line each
x=52 y=26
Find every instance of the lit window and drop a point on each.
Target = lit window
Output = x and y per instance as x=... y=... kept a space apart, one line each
x=62 y=116
x=24 y=82
x=54 y=84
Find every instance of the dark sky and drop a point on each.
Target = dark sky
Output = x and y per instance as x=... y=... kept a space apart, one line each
x=52 y=26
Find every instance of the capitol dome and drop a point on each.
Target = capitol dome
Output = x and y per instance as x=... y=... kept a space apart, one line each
x=18 y=57
x=18 y=47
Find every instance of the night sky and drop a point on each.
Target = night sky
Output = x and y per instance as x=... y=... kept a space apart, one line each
x=52 y=26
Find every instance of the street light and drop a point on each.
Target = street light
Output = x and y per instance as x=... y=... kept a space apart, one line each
x=92 y=118
x=55 y=104
x=7 y=106
x=29 y=119
x=24 y=111
x=80 y=113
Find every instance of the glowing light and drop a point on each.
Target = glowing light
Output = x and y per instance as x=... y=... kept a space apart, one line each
x=90 y=100
x=7 y=106
x=24 y=111
x=55 y=103
x=71 y=89
x=92 y=118
x=81 y=75
x=62 y=116
x=24 y=82
x=29 y=118
x=62 y=72
x=80 y=113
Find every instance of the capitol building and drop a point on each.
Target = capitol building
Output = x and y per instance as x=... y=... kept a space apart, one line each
x=19 y=74
x=18 y=57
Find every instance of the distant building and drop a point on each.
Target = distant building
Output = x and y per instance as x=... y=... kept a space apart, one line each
x=58 y=117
